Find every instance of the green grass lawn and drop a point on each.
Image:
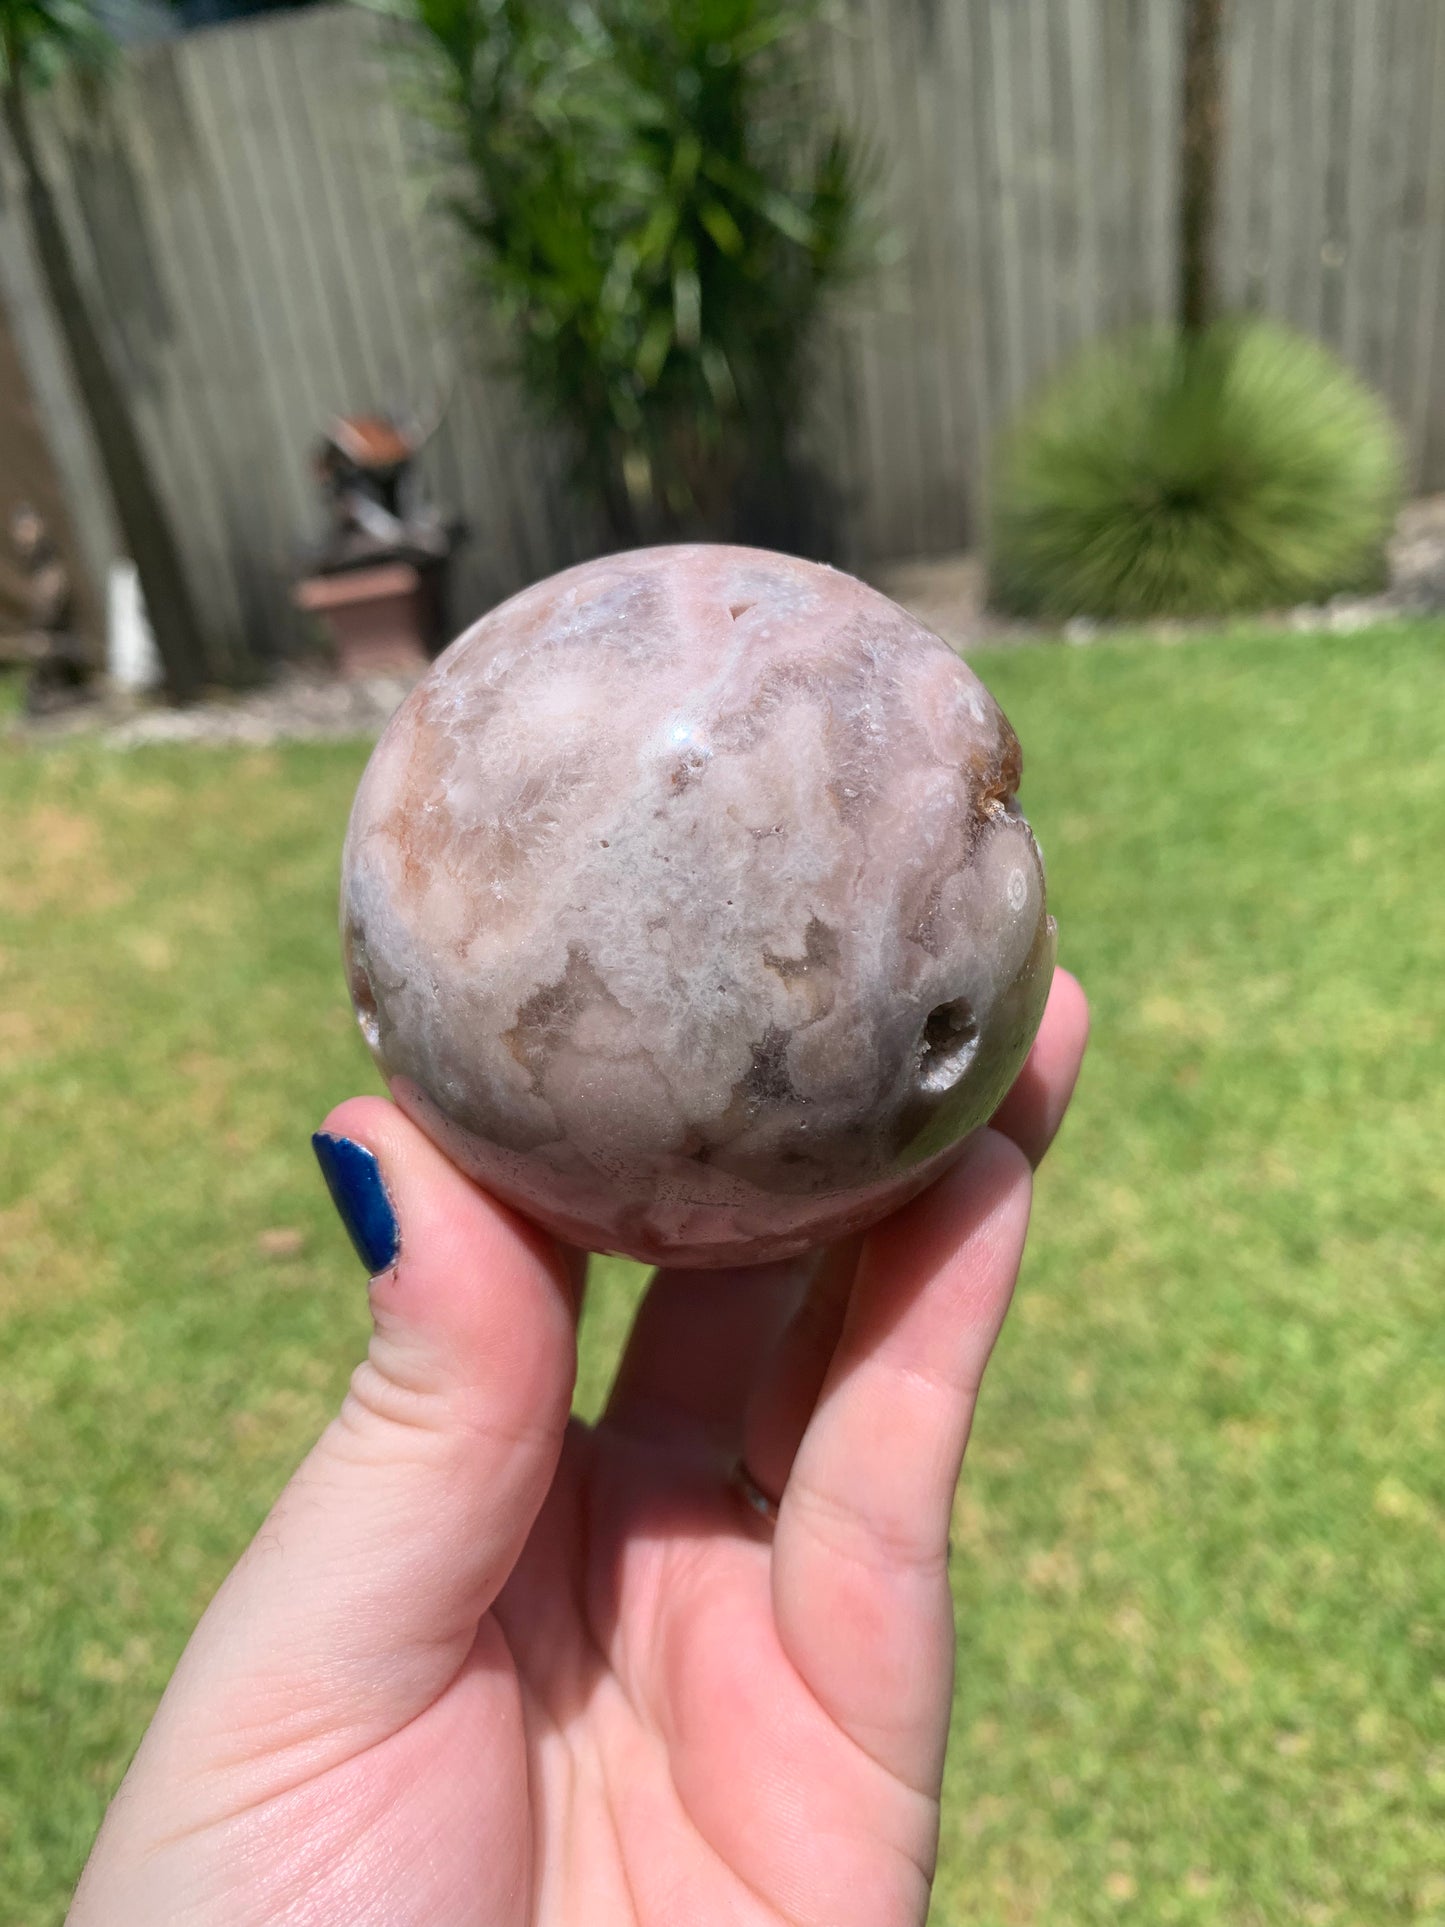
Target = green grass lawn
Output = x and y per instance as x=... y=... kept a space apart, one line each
x=1200 y=1545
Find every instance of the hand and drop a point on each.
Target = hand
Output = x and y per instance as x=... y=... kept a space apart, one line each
x=483 y=1664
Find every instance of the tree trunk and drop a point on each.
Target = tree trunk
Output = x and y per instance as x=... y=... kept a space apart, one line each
x=1202 y=118
x=138 y=507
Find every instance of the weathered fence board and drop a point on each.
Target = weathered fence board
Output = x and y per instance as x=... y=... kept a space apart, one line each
x=250 y=216
x=1335 y=190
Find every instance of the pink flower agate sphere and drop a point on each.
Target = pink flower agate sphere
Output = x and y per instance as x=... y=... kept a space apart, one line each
x=687 y=905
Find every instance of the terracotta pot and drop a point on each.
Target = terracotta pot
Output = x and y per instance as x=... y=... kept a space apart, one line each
x=379 y=621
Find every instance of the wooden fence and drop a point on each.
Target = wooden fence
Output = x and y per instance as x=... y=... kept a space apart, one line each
x=30 y=476
x=251 y=222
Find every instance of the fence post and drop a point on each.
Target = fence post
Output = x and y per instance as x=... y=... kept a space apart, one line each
x=1201 y=129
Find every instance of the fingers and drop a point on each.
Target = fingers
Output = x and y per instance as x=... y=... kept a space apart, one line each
x=860 y=1585
x=359 y=1598
x=1034 y=1108
x=697 y=1344
x=790 y=1382
x=787 y=1388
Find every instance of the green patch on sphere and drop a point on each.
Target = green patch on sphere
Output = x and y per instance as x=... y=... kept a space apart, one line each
x=1247 y=469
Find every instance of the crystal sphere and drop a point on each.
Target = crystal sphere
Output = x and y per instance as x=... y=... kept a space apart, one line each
x=687 y=904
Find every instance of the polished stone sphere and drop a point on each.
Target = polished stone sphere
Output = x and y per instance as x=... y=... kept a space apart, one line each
x=687 y=905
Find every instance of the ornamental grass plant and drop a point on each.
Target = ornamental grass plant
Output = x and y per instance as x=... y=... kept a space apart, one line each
x=1160 y=474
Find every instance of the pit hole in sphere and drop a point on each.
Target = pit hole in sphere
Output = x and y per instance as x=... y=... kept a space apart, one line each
x=950 y=1038
x=367 y=1015
x=737 y=610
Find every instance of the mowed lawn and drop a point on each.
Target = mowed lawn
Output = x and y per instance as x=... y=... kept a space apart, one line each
x=1200 y=1543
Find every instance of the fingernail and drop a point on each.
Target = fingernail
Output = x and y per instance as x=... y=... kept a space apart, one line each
x=353 y=1177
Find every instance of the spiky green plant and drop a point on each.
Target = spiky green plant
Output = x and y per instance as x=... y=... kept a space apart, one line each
x=1160 y=475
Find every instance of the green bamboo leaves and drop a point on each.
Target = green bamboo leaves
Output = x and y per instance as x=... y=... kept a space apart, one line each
x=658 y=212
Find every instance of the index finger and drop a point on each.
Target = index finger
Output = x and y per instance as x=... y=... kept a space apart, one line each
x=860 y=1556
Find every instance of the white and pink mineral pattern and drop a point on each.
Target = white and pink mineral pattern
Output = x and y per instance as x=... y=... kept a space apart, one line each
x=687 y=905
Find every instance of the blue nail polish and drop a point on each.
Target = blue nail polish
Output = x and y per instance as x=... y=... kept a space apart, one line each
x=353 y=1177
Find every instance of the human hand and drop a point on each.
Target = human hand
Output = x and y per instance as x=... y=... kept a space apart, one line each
x=484 y=1664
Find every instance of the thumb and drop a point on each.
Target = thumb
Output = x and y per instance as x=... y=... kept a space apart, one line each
x=359 y=1598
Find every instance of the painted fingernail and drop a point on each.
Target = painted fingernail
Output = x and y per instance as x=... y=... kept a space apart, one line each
x=358 y=1190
